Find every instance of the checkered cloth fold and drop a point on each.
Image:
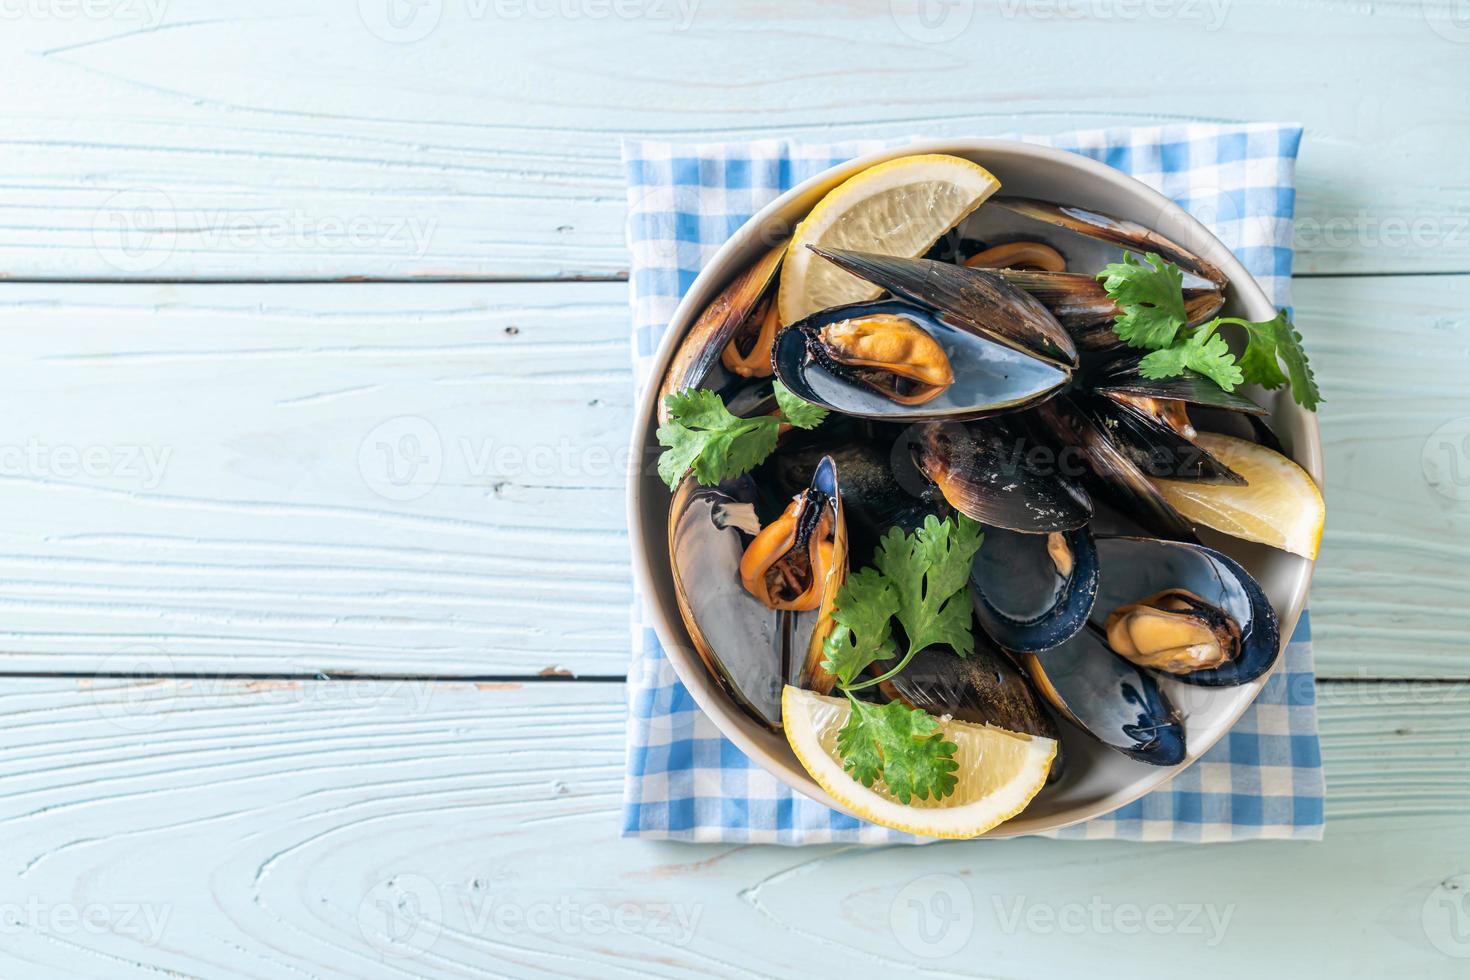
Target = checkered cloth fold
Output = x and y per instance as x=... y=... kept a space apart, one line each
x=684 y=780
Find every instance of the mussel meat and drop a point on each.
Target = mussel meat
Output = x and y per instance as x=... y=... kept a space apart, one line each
x=1190 y=591
x=1174 y=631
x=887 y=353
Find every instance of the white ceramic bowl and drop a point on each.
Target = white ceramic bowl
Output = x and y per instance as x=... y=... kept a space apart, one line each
x=1097 y=780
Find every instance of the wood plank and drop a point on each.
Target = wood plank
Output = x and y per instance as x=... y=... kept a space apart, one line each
x=287 y=830
x=194 y=140
x=272 y=538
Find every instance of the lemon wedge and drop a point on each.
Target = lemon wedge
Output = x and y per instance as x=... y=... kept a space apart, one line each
x=1280 y=506
x=999 y=771
x=900 y=207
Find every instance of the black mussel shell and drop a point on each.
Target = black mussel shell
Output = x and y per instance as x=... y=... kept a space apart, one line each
x=1034 y=591
x=989 y=376
x=1133 y=568
x=1102 y=228
x=982 y=688
x=1109 y=698
x=1083 y=431
x=986 y=470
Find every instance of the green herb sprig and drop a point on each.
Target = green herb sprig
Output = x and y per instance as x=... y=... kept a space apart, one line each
x=705 y=436
x=921 y=580
x=1150 y=296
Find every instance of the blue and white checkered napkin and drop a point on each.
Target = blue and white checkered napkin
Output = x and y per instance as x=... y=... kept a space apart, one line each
x=684 y=780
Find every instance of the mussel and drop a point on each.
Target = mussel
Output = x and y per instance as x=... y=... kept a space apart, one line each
x=1109 y=698
x=1034 y=591
x=1184 y=609
x=1054 y=251
x=983 y=688
x=952 y=343
x=727 y=323
x=985 y=471
x=757 y=602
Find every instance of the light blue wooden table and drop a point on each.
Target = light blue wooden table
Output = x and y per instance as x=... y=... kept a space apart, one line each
x=253 y=244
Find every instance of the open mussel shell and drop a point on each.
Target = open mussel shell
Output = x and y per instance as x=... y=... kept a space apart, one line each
x=736 y=307
x=985 y=471
x=1090 y=239
x=1109 y=698
x=1034 y=591
x=988 y=376
x=1135 y=568
x=977 y=299
x=752 y=649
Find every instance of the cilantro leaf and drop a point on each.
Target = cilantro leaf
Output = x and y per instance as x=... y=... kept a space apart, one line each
x=1258 y=362
x=930 y=570
x=1204 y=351
x=1266 y=341
x=900 y=745
x=703 y=435
x=1151 y=298
x=863 y=634
x=1303 y=381
x=803 y=415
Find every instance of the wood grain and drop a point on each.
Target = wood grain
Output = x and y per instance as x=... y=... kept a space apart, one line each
x=272 y=538
x=193 y=139
x=261 y=825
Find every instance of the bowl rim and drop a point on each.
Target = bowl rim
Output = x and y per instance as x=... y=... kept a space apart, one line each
x=671 y=633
